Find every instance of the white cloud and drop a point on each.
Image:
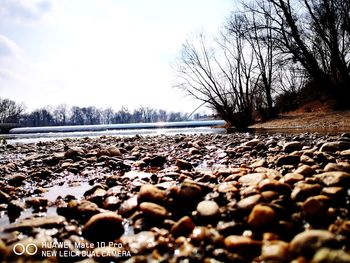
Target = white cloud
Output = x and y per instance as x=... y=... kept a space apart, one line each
x=9 y=48
x=25 y=11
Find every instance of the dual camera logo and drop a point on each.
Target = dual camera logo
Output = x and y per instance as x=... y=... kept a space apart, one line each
x=29 y=249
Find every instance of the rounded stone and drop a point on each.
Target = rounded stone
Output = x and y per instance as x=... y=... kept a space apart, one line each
x=105 y=226
x=275 y=251
x=153 y=210
x=334 y=178
x=208 y=209
x=292 y=146
x=242 y=244
x=151 y=193
x=183 y=227
x=307 y=242
x=305 y=170
x=261 y=216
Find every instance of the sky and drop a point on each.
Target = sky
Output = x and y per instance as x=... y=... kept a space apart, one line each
x=100 y=52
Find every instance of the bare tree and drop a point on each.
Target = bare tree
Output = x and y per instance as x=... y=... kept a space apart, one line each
x=10 y=111
x=61 y=114
x=224 y=76
x=257 y=31
x=316 y=34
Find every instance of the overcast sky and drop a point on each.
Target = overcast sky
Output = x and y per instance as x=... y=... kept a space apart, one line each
x=99 y=52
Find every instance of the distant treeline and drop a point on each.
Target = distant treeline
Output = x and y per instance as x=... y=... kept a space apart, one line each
x=12 y=112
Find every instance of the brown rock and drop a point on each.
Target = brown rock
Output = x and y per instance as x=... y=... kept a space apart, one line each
x=275 y=251
x=273 y=185
x=333 y=191
x=242 y=244
x=113 y=151
x=345 y=153
x=251 y=179
x=308 y=242
x=183 y=165
x=335 y=146
x=307 y=159
x=326 y=255
x=111 y=203
x=249 y=202
x=334 y=178
x=153 y=210
x=259 y=163
x=341 y=166
x=42 y=222
x=183 y=227
x=151 y=193
x=16 y=179
x=261 y=216
x=303 y=190
x=189 y=191
x=227 y=187
x=251 y=143
x=315 y=207
x=288 y=160
x=105 y=226
x=305 y=170
x=292 y=146
x=128 y=206
x=292 y=178
x=74 y=152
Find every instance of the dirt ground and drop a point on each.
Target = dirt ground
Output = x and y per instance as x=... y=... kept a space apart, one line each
x=308 y=120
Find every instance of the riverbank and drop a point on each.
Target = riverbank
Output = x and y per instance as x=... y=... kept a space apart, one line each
x=207 y=198
x=301 y=119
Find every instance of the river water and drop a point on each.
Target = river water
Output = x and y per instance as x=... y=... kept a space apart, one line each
x=32 y=135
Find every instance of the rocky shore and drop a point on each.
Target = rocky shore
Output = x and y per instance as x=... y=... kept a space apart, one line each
x=183 y=198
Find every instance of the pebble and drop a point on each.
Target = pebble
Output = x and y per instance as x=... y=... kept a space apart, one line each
x=303 y=190
x=288 y=160
x=251 y=179
x=17 y=179
x=207 y=209
x=292 y=178
x=153 y=210
x=334 y=178
x=252 y=143
x=200 y=198
x=305 y=170
x=275 y=251
x=183 y=165
x=183 y=227
x=326 y=255
x=106 y=226
x=292 y=146
x=249 y=202
x=74 y=152
x=151 y=193
x=308 y=242
x=341 y=166
x=34 y=222
x=242 y=244
x=261 y=216
x=335 y=146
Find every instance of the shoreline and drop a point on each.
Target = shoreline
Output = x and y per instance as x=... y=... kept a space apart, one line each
x=224 y=197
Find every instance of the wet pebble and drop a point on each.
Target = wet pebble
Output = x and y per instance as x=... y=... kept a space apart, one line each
x=106 y=226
